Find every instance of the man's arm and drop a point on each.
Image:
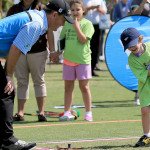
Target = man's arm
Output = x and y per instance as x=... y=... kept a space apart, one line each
x=12 y=59
x=50 y=39
x=54 y=55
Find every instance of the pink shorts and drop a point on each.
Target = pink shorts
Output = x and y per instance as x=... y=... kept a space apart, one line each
x=80 y=72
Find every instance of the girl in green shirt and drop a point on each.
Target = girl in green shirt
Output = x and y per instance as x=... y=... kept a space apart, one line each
x=77 y=59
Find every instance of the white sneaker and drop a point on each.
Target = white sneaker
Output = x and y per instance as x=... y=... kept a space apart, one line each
x=19 y=145
x=88 y=117
x=67 y=117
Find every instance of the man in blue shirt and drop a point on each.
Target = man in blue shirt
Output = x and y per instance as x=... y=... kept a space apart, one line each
x=17 y=35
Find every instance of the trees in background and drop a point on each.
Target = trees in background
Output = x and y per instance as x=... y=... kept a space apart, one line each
x=4 y=6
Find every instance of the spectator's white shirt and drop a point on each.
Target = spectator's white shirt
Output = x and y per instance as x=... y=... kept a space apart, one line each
x=94 y=15
x=16 y=1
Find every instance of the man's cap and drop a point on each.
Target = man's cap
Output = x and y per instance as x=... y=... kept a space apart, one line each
x=62 y=7
x=129 y=37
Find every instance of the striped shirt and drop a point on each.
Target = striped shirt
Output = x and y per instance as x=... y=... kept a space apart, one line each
x=19 y=30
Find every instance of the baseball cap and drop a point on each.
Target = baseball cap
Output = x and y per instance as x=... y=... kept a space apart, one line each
x=129 y=37
x=62 y=7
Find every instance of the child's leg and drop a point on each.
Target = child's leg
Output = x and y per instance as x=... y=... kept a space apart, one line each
x=69 y=86
x=69 y=79
x=86 y=94
x=145 y=139
x=145 y=112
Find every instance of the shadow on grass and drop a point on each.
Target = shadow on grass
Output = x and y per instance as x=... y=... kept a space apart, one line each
x=111 y=104
x=29 y=122
x=102 y=79
x=110 y=147
x=117 y=101
x=99 y=147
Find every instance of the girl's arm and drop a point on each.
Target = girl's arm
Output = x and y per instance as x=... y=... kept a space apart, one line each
x=80 y=35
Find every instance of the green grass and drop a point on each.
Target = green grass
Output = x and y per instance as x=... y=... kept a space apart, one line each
x=113 y=103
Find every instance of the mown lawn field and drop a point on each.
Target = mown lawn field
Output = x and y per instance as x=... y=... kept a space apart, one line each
x=116 y=122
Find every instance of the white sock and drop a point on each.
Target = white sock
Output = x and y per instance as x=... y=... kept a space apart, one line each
x=147 y=134
x=88 y=113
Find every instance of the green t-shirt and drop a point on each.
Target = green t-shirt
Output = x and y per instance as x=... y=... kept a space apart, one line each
x=74 y=50
x=139 y=67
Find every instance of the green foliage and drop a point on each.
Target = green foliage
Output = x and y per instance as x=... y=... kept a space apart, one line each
x=6 y=4
x=44 y=1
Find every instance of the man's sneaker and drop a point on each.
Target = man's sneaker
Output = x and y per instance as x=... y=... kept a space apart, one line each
x=17 y=117
x=19 y=145
x=67 y=117
x=41 y=118
x=88 y=117
x=143 y=141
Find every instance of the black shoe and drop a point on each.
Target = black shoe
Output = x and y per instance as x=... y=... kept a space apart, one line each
x=19 y=145
x=143 y=141
x=41 y=118
x=17 y=117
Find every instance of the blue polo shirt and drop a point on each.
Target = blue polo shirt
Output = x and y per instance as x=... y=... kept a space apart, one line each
x=19 y=30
